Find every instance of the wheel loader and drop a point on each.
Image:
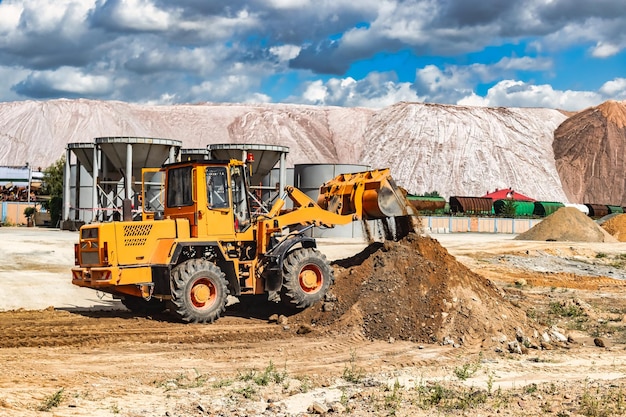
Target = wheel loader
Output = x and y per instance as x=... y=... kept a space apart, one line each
x=207 y=241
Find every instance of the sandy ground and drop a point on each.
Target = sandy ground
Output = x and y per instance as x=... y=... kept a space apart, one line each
x=65 y=351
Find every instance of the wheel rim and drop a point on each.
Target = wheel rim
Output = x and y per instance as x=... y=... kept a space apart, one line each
x=203 y=293
x=311 y=279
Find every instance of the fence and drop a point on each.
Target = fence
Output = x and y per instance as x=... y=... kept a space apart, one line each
x=12 y=212
x=453 y=224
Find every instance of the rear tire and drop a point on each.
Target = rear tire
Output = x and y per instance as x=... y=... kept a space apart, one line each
x=307 y=276
x=199 y=291
x=141 y=306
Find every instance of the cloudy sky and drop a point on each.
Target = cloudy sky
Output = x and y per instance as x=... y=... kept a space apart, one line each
x=567 y=54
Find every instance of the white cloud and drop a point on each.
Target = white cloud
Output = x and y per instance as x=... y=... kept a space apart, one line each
x=285 y=52
x=456 y=84
x=62 y=19
x=69 y=80
x=511 y=93
x=614 y=89
x=377 y=90
x=234 y=87
x=525 y=63
x=288 y=4
x=73 y=80
x=9 y=17
x=604 y=50
x=315 y=92
x=141 y=15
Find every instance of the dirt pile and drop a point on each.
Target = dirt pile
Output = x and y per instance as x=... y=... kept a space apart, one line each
x=616 y=227
x=589 y=152
x=567 y=224
x=415 y=290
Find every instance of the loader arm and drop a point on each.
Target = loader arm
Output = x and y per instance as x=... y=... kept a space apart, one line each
x=367 y=195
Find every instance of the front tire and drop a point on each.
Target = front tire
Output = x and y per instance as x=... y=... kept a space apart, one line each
x=199 y=291
x=307 y=276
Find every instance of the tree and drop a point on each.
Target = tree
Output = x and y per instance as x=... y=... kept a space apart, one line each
x=432 y=194
x=53 y=178
x=509 y=208
x=53 y=187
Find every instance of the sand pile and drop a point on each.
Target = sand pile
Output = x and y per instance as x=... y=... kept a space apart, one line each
x=567 y=224
x=415 y=290
x=616 y=227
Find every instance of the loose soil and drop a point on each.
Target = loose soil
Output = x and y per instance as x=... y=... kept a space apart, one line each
x=415 y=290
x=417 y=327
x=616 y=227
x=567 y=224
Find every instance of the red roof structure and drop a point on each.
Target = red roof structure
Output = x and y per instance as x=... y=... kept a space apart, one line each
x=507 y=193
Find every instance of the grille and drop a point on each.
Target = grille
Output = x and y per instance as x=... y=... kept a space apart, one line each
x=136 y=234
x=90 y=258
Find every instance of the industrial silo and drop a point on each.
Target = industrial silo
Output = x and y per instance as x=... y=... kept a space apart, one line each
x=114 y=166
x=309 y=178
x=270 y=187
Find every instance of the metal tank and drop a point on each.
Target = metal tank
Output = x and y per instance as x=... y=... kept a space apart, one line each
x=114 y=166
x=309 y=178
x=195 y=154
x=263 y=158
x=79 y=196
x=270 y=187
x=471 y=205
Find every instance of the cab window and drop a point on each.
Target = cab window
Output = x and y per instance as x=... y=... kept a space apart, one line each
x=240 y=198
x=179 y=187
x=217 y=193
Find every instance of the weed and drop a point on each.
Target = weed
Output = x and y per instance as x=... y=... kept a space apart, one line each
x=530 y=389
x=353 y=373
x=52 y=401
x=468 y=399
x=305 y=384
x=222 y=383
x=601 y=255
x=115 y=409
x=392 y=400
x=569 y=310
x=490 y=379
x=182 y=380
x=270 y=374
x=466 y=370
x=247 y=391
x=249 y=375
x=431 y=395
x=609 y=402
x=344 y=397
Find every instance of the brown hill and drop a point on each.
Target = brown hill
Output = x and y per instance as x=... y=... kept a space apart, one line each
x=590 y=154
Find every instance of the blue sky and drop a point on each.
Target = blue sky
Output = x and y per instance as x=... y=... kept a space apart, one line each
x=567 y=54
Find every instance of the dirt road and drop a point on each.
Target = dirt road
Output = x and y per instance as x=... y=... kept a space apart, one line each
x=87 y=356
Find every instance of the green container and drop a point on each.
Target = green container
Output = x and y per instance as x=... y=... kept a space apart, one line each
x=546 y=208
x=522 y=208
x=425 y=204
x=615 y=209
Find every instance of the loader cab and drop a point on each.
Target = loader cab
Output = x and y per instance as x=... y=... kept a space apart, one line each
x=212 y=195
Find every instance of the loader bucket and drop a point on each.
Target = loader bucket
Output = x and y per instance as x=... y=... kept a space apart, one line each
x=366 y=195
